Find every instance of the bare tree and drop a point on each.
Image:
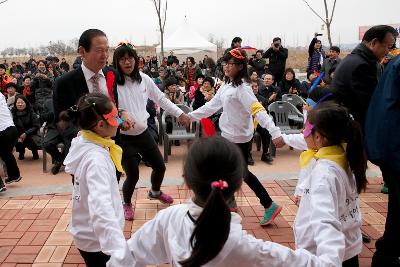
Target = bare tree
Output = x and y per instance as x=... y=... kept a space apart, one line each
x=328 y=20
x=162 y=18
x=3 y=1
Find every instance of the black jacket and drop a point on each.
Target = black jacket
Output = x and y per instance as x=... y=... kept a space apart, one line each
x=285 y=85
x=70 y=87
x=26 y=121
x=355 y=80
x=277 y=60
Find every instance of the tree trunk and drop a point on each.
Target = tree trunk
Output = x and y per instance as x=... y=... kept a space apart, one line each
x=328 y=29
x=162 y=44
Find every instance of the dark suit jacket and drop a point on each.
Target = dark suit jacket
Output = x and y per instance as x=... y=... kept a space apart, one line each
x=71 y=86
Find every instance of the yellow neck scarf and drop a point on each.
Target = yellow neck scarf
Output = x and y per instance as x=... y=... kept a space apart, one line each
x=255 y=108
x=334 y=153
x=115 y=150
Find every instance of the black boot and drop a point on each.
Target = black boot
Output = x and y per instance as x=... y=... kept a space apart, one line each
x=2 y=185
x=21 y=156
x=35 y=154
x=56 y=168
x=266 y=157
x=250 y=160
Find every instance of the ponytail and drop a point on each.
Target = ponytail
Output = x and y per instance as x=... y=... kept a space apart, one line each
x=356 y=155
x=209 y=160
x=211 y=231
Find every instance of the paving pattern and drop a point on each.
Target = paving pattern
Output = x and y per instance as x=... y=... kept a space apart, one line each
x=34 y=229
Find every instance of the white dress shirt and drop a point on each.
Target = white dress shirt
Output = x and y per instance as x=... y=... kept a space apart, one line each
x=236 y=121
x=102 y=80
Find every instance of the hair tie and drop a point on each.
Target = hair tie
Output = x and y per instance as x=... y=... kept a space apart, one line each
x=221 y=184
x=236 y=53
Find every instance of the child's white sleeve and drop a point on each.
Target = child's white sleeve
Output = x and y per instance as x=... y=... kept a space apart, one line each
x=147 y=243
x=324 y=217
x=247 y=98
x=208 y=108
x=255 y=252
x=105 y=224
x=296 y=141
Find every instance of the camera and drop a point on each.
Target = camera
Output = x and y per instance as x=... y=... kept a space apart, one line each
x=276 y=45
x=318 y=34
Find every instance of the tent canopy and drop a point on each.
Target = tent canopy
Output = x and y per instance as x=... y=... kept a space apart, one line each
x=187 y=42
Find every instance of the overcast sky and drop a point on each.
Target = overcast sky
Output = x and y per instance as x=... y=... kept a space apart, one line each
x=30 y=23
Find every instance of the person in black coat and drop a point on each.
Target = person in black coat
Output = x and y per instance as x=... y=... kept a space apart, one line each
x=52 y=137
x=265 y=136
x=289 y=83
x=268 y=90
x=277 y=56
x=204 y=94
x=357 y=75
x=28 y=124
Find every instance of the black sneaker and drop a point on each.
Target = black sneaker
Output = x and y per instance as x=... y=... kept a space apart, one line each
x=13 y=180
x=56 y=168
x=266 y=157
x=250 y=160
x=365 y=238
x=2 y=186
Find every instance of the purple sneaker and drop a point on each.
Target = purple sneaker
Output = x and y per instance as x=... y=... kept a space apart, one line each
x=163 y=198
x=128 y=211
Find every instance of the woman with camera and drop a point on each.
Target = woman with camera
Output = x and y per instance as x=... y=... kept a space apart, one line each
x=316 y=54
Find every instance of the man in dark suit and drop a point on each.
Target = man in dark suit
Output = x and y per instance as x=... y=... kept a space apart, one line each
x=88 y=78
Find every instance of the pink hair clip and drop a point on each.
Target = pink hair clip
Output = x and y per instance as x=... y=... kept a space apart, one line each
x=221 y=184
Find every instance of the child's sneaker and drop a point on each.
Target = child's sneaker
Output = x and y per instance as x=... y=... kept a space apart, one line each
x=128 y=211
x=13 y=180
x=271 y=213
x=162 y=197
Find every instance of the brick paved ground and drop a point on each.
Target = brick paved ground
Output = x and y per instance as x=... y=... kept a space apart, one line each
x=33 y=229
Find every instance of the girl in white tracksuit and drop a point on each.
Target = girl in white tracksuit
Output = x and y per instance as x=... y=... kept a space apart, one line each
x=328 y=220
x=97 y=215
x=203 y=232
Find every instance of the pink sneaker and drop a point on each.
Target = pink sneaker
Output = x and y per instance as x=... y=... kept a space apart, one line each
x=163 y=198
x=128 y=212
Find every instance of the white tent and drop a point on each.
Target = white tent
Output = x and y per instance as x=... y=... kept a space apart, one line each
x=186 y=42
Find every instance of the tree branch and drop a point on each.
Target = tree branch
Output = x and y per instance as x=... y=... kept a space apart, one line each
x=165 y=14
x=333 y=10
x=314 y=11
x=1 y=2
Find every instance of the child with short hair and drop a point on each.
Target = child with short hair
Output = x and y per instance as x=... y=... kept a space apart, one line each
x=203 y=232
x=97 y=214
x=328 y=220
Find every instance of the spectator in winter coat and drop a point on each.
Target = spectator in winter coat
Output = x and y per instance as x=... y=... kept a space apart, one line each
x=4 y=79
x=11 y=94
x=191 y=71
x=27 y=90
x=42 y=86
x=64 y=65
x=316 y=55
x=205 y=93
x=357 y=75
x=259 y=63
x=330 y=63
x=52 y=137
x=269 y=91
x=289 y=84
x=27 y=123
x=277 y=56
